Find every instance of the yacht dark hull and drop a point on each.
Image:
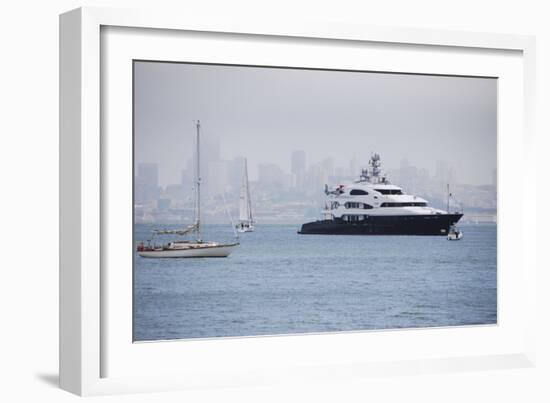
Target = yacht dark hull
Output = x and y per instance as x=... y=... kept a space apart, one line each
x=431 y=224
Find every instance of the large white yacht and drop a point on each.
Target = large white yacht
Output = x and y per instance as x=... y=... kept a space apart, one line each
x=374 y=206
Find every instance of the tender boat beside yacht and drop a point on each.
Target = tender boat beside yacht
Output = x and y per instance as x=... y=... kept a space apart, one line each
x=454 y=233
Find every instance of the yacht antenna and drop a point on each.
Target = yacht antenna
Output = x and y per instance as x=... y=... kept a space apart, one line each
x=448 y=196
x=364 y=177
x=375 y=164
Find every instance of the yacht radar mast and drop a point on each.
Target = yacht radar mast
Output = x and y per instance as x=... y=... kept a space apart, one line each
x=375 y=163
x=364 y=177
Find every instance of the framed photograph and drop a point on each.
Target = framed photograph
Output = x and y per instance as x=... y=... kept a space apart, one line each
x=250 y=202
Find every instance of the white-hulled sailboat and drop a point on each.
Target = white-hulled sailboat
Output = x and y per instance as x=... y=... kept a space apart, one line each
x=186 y=248
x=246 y=222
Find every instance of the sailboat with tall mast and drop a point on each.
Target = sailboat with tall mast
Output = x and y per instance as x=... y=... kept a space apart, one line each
x=188 y=248
x=246 y=222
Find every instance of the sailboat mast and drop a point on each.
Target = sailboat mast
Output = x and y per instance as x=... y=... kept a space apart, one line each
x=198 y=181
x=249 y=206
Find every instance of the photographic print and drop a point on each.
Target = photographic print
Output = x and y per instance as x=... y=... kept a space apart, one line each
x=276 y=200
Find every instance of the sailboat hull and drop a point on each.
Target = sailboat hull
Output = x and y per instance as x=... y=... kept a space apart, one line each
x=244 y=228
x=222 y=250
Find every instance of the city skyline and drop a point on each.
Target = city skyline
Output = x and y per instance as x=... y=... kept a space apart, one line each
x=166 y=176
x=282 y=197
x=442 y=170
x=263 y=114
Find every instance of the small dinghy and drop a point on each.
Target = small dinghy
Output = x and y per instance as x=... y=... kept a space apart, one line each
x=454 y=234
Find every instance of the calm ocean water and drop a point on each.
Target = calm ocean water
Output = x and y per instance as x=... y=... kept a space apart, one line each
x=279 y=282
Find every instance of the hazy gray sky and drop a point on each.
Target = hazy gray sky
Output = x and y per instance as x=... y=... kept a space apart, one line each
x=266 y=113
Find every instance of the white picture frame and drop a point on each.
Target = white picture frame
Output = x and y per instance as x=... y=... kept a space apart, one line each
x=95 y=357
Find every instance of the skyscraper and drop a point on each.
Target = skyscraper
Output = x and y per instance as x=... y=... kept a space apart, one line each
x=235 y=172
x=327 y=165
x=270 y=175
x=353 y=168
x=211 y=162
x=445 y=173
x=298 y=162
x=148 y=172
x=298 y=167
x=146 y=183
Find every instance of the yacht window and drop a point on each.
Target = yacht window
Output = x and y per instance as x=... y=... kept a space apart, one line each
x=357 y=205
x=353 y=218
x=358 y=192
x=410 y=204
x=390 y=191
